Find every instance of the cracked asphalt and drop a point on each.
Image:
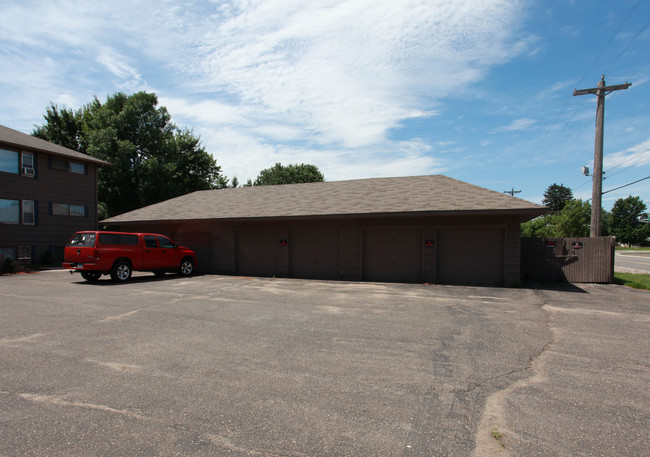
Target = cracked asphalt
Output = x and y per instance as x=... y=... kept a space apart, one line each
x=220 y=365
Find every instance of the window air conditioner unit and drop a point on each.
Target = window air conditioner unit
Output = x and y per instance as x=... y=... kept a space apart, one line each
x=28 y=171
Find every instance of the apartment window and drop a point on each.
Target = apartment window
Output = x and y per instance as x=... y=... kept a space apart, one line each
x=77 y=210
x=9 y=161
x=65 y=209
x=9 y=211
x=7 y=253
x=60 y=209
x=60 y=164
x=67 y=165
x=27 y=163
x=77 y=167
x=28 y=212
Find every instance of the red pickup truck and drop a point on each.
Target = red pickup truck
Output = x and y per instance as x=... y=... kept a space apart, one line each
x=94 y=254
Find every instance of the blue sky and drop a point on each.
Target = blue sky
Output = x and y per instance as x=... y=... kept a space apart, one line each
x=478 y=90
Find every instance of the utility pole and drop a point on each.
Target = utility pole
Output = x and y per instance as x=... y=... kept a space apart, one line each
x=597 y=188
x=512 y=192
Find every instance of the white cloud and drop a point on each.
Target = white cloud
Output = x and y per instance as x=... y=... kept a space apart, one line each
x=352 y=70
x=263 y=81
x=206 y=112
x=117 y=64
x=517 y=124
x=636 y=155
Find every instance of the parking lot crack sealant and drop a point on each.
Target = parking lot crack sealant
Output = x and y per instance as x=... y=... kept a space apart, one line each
x=494 y=419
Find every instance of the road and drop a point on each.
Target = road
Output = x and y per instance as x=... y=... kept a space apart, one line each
x=631 y=260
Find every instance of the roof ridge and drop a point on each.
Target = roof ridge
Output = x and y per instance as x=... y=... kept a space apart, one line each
x=16 y=138
x=425 y=194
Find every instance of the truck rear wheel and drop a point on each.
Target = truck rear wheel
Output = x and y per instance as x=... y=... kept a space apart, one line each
x=91 y=276
x=121 y=271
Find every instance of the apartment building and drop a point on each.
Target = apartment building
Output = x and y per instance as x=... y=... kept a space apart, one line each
x=47 y=192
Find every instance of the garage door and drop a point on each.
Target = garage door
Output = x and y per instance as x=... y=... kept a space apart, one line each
x=314 y=253
x=201 y=243
x=257 y=253
x=392 y=254
x=469 y=255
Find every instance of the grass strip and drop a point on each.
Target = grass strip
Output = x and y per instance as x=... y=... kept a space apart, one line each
x=637 y=281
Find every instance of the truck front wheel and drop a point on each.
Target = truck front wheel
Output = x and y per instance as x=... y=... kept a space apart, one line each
x=187 y=267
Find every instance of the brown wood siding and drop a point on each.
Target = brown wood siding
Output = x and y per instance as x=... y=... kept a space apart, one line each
x=568 y=259
x=352 y=231
x=350 y=253
x=314 y=253
x=429 y=254
x=513 y=251
x=223 y=255
x=201 y=243
x=257 y=253
x=392 y=254
x=471 y=255
x=49 y=186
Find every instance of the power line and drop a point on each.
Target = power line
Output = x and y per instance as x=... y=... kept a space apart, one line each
x=609 y=42
x=628 y=45
x=625 y=185
x=639 y=69
x=557 y=136
x=643 y=162
x=583 y=184
x=628 y=159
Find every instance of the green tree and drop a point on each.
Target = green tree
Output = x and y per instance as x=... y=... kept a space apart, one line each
x=540 y=227
x=290 y=174
x=625 y=222
x=572 y=221
x=152 y=159
x=557 y=196
x=63 y=127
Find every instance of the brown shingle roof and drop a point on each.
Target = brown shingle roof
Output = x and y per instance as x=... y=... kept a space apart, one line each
x=435 y=194
x=23 y=141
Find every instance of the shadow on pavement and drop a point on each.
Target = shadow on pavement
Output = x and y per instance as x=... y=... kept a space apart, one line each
x=557 y=286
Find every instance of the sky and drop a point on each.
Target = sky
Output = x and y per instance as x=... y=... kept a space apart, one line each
x=477 y=90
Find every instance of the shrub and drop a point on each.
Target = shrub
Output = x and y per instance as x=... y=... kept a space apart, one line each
x=8 y=265
x=47 y=258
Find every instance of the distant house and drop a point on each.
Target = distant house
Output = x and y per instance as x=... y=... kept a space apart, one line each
x=47 y=192
x=430 y=229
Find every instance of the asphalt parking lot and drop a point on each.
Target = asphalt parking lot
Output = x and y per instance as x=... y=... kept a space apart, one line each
x=219 y=365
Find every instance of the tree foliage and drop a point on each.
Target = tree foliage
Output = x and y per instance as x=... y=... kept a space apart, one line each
x=626 y=220
x=556 y=197
x=152 y=159
x=290 y=174
x=572 y=221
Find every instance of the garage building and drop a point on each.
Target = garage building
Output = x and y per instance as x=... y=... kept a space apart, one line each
x=432 y=229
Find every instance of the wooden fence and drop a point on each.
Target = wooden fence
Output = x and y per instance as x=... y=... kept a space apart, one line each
x=568 y=259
